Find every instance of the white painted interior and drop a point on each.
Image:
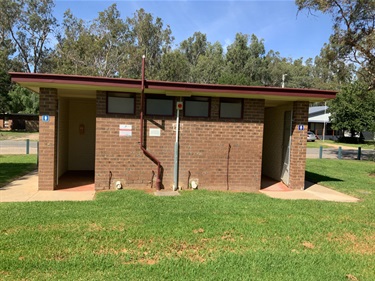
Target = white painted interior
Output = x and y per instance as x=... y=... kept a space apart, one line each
x=82 y=116
x=272 y=161
x=63 y=134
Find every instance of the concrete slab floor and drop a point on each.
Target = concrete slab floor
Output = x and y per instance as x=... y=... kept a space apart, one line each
x=166 y=193
x=26 y=189
x=311 y=192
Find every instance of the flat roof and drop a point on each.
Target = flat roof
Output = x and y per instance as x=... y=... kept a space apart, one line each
x=64 y=83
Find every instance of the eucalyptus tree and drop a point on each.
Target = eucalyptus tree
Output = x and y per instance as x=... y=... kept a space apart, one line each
x=29 y=23
x=112 y=35
x=148 y=37
x=5 y=86
x=194 y=47
x=174 y=67
x=277 y=68
x=353 y=31
x=301 y=74
x=98 y=48
x=210 y=65
x=235 y=60
x=330 y=73
x=245 y=61
x=74 y=49
x=7 y=49
x=256 y=66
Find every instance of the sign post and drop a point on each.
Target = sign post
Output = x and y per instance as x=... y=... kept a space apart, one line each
x=179 y=106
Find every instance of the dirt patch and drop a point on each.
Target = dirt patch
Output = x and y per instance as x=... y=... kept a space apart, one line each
x=337 y=146
x=362 y=245
x=31 y=136
x=5 y=135
x=351 y=277
x=308 y=245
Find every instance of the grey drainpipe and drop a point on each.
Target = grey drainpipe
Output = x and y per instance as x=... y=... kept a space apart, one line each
x=141 y=138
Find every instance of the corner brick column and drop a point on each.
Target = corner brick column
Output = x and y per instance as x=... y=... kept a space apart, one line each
x=298 y=145
x=47 y=139
x=102 y=140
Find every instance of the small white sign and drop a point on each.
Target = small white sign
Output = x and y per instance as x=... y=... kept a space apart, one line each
x=155 y=132
x=125 y=130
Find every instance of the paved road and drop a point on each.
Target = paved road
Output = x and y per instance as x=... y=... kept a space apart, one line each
x=332 y=153
x=17 y=147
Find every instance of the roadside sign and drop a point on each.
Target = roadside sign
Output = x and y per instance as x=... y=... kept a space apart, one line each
x=45 y=118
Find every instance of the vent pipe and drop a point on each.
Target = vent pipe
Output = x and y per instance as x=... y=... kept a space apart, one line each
x=141 y=137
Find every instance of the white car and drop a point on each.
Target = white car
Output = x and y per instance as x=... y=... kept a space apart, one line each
x=311 y=136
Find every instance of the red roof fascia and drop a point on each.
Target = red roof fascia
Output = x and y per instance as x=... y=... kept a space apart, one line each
x=169 y=86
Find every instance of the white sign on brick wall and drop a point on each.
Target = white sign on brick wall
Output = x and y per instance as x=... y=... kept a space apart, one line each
x=125 y=130
x=155 y=132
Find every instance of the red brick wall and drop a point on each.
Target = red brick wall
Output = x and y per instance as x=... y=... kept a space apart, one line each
x=204 y=146
x=47 y=139
x=298 y=147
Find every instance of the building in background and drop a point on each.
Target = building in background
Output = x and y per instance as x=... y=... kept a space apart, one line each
x=320 y=124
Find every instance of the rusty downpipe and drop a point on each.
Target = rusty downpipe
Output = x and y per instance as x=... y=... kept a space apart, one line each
x=141 y=137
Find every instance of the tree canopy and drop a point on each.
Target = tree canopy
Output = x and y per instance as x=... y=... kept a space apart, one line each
x=112 y=46
x=354 y=108
x=353 y=35
x=25 y=26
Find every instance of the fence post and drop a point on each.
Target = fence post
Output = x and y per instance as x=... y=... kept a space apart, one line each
x=320 y=152
x=359 y=153
x=340 y=153
x=27 y=146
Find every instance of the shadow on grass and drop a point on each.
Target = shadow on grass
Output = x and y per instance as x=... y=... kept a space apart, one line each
x=316 y=178
x=12 y=171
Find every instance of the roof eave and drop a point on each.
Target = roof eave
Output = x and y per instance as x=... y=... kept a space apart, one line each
x=34 y=81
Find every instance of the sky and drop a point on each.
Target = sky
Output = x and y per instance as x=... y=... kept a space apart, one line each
x=278 y=22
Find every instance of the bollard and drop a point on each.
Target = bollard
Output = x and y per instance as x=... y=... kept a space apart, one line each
x=359 y=153
x=27 y=146
x=321 y=152
x=340 y=153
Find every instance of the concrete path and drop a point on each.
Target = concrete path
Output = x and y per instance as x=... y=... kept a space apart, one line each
x=25 y=189
x=311 y=192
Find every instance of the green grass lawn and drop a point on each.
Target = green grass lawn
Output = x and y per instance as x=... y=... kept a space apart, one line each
x=353 y=177
x=14 y=166
x=200 y=235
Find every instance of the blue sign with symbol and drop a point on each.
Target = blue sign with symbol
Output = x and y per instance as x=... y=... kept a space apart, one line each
x=300 y=127
x=45 y=118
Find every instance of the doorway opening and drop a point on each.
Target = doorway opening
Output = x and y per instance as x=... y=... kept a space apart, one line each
x=77 y=181
x=76 y=143
x=276 y=146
